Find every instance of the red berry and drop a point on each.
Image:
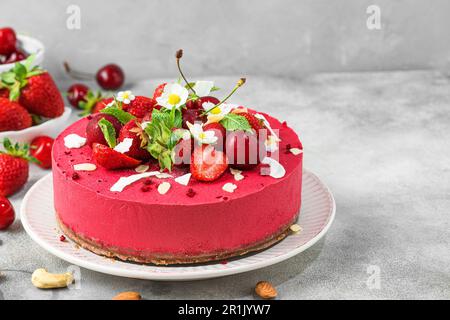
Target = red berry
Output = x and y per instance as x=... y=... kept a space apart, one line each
x=255 y=123
x=140 y=106
x=77 y=93
x=13 y=116
x=7 y=214
x=208 y=164
x=16 y=56
x=112 y=159
x=62 y=238
x=41 y=149
x=133 y=130
x=244 y=150
x=94 y=133
x=191 y=116
x=110 y=77
x=101 y=105
x=159 y=90
x=7 y=41
x=207 y=99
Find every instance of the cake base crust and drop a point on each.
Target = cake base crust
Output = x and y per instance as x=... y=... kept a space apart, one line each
x=156 y=259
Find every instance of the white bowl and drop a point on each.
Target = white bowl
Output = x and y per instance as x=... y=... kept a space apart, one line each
x=51 y=128
x=30 y=46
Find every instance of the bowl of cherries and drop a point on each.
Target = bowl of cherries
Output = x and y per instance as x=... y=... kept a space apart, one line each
x=15 y=48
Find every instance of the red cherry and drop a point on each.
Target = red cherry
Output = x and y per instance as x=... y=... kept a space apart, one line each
x=7 y=214
x=219 y=132
x=191 y=116
x=94 y=133
x=7 y=41
x=77 y=93
x=15 y=56
x=244 y=150
x=110 y=77
x=41 y=149
x=198 y=104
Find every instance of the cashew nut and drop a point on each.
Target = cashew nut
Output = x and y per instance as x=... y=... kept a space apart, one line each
x=42 y=279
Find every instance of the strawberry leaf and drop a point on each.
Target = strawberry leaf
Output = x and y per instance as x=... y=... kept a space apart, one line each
x=233 y=122
x=18 y=151
x=123 y=116
x=108 y=132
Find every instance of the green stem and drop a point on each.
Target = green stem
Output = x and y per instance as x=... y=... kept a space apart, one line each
x=184 y=78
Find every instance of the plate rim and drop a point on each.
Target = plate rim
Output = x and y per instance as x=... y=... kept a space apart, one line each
x=142 y=274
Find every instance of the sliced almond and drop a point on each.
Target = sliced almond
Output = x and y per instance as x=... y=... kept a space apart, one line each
x=238 y=177
x=295 y=228
x=142 y=168
x=295 y=151
x=128 y=295
x=164 y=187
x=163 y=175
x=265 y=290
x=85 y=167
x=229 y=187
x=235 y=171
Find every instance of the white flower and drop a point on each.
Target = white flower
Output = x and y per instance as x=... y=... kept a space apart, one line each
x=173 y=96
x=217 y=113
x=203 y=88
x=125 y=96
x=202 y=137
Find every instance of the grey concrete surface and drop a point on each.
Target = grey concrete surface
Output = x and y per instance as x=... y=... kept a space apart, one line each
x=381 y=143
x=288 y=38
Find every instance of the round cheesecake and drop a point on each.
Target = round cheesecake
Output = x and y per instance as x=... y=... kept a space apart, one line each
x=196 y=223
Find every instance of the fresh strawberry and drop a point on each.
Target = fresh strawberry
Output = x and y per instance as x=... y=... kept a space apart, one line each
x=102 y=104
x=7 y=214
x=7 y=41
x=140 y=106
x=4 y=93
x=255 y=123
x=207 y=163
x=111 y=159
x=13 y=167
x=13 y=116
x=159 y=90
x=34 y=88
x=133 y=130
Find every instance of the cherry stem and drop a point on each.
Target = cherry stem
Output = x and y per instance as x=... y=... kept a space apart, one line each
x=77 y=74
x=239 y=84
x=178 y=55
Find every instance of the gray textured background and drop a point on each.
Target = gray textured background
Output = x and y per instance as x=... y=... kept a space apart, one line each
x=378 y=139
x=251 y=37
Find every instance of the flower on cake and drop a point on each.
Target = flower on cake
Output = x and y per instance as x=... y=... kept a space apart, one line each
x=202 y=137
x=203 y=88
x=125 y=97
x=173 y=96
x=215 y=114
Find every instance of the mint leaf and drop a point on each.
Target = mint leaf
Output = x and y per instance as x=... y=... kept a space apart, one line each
x=233 y=122
x=123 y=116
x=108 y=132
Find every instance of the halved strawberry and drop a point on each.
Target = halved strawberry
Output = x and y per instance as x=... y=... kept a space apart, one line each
x=133 y=130
x=159 y=90
x=208 y=164
x=140 y=106
x=112 y=159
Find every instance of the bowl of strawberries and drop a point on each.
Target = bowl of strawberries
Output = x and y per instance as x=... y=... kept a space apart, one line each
x=15 y=48
x=30 y=103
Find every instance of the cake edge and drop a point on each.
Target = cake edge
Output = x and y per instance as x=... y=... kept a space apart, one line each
x=111 y=253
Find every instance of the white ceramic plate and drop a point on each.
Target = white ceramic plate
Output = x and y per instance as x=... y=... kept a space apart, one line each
x=51 y=127
x=317 y=214
x=30 y=46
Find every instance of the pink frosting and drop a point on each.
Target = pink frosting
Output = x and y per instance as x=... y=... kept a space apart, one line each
x=137 y=222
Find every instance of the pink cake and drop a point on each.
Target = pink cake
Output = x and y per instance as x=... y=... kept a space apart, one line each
x=197 y=222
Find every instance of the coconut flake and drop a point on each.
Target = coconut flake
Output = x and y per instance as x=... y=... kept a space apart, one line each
x=162 y=175
x=235 y=171
x=85 y=167
x=238 y=177
x=163 y=187
x=123 y=182
x=229 y=187
x=124 y=146
x=74 y=141
x=276 y=169
x=267 y=124
x=142 y=168
x=295 y=151
x=184 y=179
